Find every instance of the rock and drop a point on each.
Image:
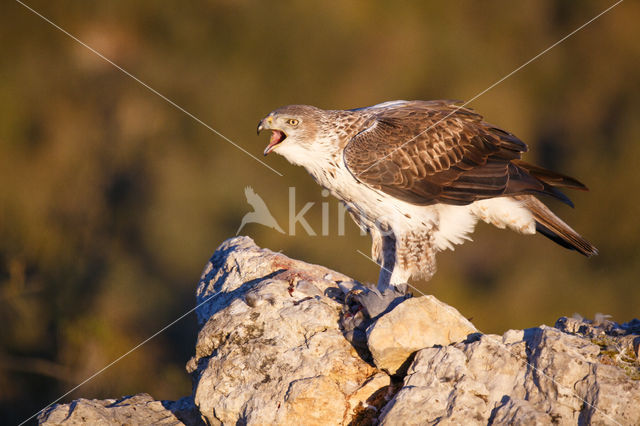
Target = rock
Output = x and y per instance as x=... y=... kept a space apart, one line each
x=273 y=348
x=619 y=343
x=239 y=264
x=414 y=324
x=136 y=409
x=534 y=376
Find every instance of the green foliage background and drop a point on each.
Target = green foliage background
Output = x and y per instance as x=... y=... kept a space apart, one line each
x=112 y=200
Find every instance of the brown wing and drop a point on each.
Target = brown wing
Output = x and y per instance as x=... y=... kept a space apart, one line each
x=427 y=152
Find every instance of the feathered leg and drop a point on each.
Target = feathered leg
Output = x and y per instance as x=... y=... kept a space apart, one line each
x=386 y=259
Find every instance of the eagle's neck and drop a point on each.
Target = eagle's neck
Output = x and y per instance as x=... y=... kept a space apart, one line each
x=322 y=156
x=322 y=160
x=310 y=155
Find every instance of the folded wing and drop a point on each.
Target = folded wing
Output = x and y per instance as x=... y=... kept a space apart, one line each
x=426 y=152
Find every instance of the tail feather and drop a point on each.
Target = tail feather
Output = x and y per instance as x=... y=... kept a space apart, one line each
x=554 y=228
x=522 y=180
x=551 y=178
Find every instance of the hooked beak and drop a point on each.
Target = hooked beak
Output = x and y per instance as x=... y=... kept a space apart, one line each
x=260 y=126
x=276 y=137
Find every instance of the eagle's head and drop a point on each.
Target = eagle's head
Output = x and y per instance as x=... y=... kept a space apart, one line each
x=294 y=129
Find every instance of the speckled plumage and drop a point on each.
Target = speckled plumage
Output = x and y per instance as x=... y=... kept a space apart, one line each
x=417 y=175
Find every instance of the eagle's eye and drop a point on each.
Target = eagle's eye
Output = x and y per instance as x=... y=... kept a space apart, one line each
x=292 y=122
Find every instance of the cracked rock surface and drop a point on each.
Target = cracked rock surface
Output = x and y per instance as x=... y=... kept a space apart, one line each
x=535 y=376
x=273 y=349
x=135 y=409
x=270 y=350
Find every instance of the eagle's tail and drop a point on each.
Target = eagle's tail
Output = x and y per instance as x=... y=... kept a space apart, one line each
x=554 y=179
x=547 y=181
x=554 y=228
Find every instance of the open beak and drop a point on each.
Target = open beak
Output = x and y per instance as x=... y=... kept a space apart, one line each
x=277 y=136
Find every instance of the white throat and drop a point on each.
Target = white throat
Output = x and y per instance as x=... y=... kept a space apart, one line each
x=315 y=157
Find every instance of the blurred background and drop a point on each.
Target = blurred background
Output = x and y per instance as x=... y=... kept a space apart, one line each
x=112 y=200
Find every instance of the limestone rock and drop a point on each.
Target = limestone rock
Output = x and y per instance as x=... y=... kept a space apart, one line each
x=619 y=343
x=414 y=324
x=239 y=264
x=136 y=409
x=271 y=350
x=535 y=376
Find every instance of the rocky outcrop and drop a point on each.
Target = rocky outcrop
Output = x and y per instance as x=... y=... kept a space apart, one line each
x=130 y=410
x=281 y=343
x=270 y=350
x=534 y=376
x=416 y=323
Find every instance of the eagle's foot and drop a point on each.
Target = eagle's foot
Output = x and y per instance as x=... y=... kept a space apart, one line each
x=373 y=301
x=362 y=306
